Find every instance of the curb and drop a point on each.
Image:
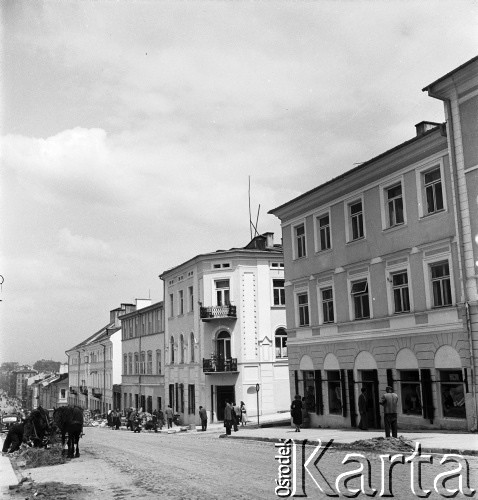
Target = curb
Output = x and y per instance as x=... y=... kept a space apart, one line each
x=336 y=444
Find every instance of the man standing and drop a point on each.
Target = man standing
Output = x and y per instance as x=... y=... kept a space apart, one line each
x=389 y=402
x=228 y=418
x=362 y=404
x=203 y=417
x=236 y=416
x=169 y=416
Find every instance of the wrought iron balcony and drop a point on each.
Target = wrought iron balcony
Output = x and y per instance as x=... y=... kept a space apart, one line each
x=73 y=389
x=84 y=390
x=213 y=365
x=96 y=391
x=217 y=312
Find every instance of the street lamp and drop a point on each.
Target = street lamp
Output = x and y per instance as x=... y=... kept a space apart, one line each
x=257 y=392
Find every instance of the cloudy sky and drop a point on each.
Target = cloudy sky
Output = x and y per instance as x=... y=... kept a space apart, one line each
x=129 y=130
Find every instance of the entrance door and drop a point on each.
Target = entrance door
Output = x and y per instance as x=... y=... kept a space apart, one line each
x=223 y=393
x=370 y=383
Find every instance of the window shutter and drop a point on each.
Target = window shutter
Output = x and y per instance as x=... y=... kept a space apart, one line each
x=427 y=395
x=344 y=394
x=319 y=401
x=390 y=377
x=296 y=380
x=465 y=379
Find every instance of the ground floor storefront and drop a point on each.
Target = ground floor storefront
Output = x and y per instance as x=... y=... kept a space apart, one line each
x=430 y=374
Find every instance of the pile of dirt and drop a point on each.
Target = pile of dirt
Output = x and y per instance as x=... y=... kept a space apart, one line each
x=40 y=457
x=380 y=445
x=53 y=490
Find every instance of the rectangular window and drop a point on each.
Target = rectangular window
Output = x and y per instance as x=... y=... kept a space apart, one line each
x=191 y=298
x=171 y=305
x=327 y=305
x=130 y=364
x=324 y=232
x=279 y=292
x=356 y=220
x=158 y=362
x=300 y=241
x=303 y=304
x=401 y=299
x=149 y=363
x=191 y=399
x=334 y=389
x=452 y=393
x=136 y=363
x=222 y=293
x=360 y=299
x=395 y=205
x=441 y=287
x=433 y=190
x=125 y=364
x=410 y=392
x=181 y=302
x=143 y=362
x=281 y=343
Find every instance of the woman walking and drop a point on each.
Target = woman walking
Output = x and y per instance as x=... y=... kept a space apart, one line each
x=296 y=412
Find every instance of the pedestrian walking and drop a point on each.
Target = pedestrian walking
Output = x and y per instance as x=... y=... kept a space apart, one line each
x=160 y=419
x=296 y=412
x=129 y=419
x=203 y=417
x=228 y=418
x=362 y=405
x=169 y=416
x=389 y=402
x=117 y=418
x=243 y=414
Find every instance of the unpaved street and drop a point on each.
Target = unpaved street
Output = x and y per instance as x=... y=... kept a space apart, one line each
x=122 y=465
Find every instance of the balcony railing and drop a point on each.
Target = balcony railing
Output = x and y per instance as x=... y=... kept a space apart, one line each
x=211 y=365
x=96 y=391
x=84 y=390
x=217 y=312
x=73 y=390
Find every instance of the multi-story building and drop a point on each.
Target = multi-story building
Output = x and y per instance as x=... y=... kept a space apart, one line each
x=94 y=366
x=54 y=391
x=459 y=92
x=375 y=280
x=225 y=331
x=142 y=354
x=19 y=383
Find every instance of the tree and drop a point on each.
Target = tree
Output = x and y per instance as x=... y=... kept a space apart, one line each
x=47 y=365
x=9 y=366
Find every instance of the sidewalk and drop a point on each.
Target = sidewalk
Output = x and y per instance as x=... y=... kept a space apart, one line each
x=7 y=475
x=463 y=443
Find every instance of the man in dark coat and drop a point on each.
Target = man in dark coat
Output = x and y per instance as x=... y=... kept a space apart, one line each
x=14 y=438
x=228 y=418
x=362 y=405
x=389 y=402
x=203 y=417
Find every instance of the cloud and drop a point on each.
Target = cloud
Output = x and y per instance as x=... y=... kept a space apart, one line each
x=83 y=246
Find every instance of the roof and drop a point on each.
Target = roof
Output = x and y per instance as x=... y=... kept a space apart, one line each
x=362 y=166
x=100 y=335
x=257 y=244
x=452 y=72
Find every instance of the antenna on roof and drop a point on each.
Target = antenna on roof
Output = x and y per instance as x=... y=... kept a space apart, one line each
x=251 y=224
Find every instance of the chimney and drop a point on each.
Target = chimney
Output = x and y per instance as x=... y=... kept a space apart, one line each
x=269 y=240
x=424 y=126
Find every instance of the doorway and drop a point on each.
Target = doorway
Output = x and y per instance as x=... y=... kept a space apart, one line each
x=370 y=383
x=223 y=393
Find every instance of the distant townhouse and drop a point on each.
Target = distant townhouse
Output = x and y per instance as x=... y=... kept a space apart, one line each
x=377 y=284
x=18 y=383
x=94 y=367
x=142 y=354
x=225 y=331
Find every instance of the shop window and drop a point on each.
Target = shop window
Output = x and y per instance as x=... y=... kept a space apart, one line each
x=334 y=388
x=309 y=391
x=410 y=392
x=452 y=393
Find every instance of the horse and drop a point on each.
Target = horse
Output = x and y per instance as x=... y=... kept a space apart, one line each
x=69 y=419
x=33 y=430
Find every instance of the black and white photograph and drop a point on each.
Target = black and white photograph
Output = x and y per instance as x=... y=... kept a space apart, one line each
x=238 y=249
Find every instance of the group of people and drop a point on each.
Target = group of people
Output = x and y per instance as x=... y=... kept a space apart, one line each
x=389 y=401
x=233 y=416
x=114 y=419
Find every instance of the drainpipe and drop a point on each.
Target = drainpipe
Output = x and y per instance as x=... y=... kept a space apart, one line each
x=461 y=256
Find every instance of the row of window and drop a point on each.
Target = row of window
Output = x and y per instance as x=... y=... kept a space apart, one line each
x=141 y=363
x=431 y=200
x=222 y=294
x=413 y=389
x=143 y=324
x=439 y=293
